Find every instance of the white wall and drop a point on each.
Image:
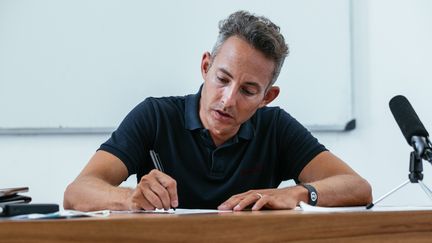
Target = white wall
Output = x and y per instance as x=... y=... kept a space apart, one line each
x=391 y=56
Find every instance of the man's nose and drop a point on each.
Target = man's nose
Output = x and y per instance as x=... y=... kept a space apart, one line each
x=229 y=96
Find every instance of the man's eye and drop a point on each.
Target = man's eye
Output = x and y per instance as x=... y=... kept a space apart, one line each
x=247 y=92
x=223 y=80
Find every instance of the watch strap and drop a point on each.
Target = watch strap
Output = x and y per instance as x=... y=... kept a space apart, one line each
x=312 y=194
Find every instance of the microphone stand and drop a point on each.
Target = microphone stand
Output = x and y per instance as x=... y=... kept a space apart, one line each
x=415 y=176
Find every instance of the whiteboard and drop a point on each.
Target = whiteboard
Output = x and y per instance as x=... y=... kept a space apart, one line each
x=82 y=65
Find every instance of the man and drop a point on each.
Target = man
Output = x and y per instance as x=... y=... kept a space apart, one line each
x=222 y=147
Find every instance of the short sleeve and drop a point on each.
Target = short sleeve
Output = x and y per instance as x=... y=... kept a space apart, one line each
x=133 y=137
x=297 y=146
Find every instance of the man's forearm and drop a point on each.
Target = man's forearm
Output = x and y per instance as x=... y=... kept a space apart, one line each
x=343 y=190
x=89 y=194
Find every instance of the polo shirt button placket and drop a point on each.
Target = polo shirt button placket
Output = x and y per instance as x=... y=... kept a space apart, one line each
x=217 y=163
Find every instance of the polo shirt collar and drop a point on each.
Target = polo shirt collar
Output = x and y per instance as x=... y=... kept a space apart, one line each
x=193 y=122
x=246 y=131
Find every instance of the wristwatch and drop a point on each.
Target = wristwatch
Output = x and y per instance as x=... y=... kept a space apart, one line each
x=312 y=193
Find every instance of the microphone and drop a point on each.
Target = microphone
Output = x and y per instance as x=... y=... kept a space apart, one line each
x=411 y=127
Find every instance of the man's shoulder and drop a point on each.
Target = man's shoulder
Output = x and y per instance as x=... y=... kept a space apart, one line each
x=166 y=102
x=272 y=112
x=273 y=117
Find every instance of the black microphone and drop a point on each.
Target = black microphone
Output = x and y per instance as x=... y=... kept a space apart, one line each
x=411 y=127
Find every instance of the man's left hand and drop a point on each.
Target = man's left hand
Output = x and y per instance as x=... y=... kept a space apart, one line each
x=283 y=198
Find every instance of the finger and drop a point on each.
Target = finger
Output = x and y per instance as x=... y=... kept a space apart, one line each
x=171 y=187
x=144 y=205
x=152 y=198
x=138 y=201
x=234 y=200
x=162 y=193
x=230 y=203
x=145 y=185
x=261 y=202
x=248 y=200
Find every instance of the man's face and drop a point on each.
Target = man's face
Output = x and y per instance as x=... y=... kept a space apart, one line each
x=235 y=85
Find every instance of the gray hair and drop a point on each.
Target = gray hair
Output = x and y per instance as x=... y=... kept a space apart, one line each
x=259 y=32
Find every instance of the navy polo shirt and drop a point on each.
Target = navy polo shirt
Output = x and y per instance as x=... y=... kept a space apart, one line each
x=268 y=148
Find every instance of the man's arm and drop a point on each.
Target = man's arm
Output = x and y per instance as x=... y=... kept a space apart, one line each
x=336 y=183
x=96 y=188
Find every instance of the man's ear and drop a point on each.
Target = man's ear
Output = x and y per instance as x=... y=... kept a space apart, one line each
x=271 y=94
x=205 y=64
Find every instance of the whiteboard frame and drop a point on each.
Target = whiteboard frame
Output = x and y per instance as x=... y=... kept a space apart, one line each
x=349 y=125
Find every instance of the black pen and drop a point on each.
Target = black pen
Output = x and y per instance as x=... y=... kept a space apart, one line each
x=157 y=162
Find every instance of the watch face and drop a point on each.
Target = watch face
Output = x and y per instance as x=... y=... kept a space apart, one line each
x=313 y=196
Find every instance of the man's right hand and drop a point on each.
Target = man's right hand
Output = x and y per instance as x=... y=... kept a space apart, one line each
x=97 y=188
x=155 y=190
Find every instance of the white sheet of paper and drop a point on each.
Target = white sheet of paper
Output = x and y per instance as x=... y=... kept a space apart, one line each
x=308 y=208
x=62 y=214
x=172 y=211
